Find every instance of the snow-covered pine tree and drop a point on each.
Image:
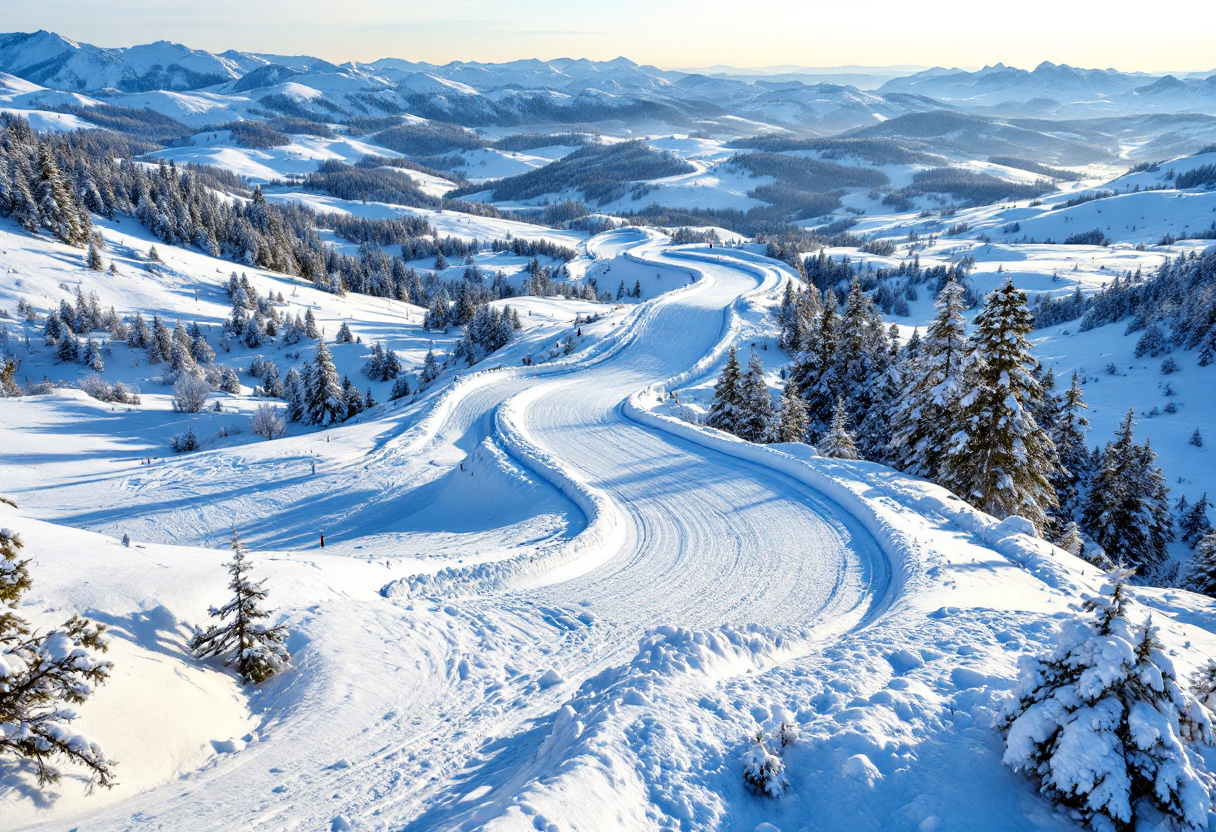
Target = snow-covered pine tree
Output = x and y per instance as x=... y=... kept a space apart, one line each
x=293 y=394
x=838 y=443
x=791 y=417
x=726 y=411
x=69 y=348
x=256 y=650
x=431 y=368
x=815 y=370
x=92 y=356
x=1068 y=435
x=58 y=206
x=43 y=676
x=1201 y=574
x=928 y=414
x=1069 y=539
x=1099 y=722
x=323 y=400
x=1197 y=439
x=310 y=325
x=999 y=459
x=1126 y=509
x=1193 y=523
x=93 y=260
x=401 y=389
x=755 y=417
x=344 y=336
x=763 y=771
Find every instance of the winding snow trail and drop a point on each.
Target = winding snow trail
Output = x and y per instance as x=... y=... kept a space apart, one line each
x=441 y=714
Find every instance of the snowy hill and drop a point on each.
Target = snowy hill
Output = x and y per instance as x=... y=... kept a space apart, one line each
x=535 y=391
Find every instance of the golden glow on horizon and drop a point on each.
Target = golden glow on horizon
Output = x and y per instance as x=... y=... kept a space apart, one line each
x=666 y=33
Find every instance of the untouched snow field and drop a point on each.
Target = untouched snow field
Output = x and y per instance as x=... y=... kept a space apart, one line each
x=544 y=603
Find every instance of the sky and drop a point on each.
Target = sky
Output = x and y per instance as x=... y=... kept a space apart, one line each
x=665 y=33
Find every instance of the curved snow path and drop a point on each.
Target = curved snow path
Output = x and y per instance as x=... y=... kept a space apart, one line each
x=418 y=712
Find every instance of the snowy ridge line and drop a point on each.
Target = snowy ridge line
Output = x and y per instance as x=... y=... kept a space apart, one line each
x=600 y=540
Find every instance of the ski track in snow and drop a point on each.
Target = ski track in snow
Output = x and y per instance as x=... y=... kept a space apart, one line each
x=711 y=549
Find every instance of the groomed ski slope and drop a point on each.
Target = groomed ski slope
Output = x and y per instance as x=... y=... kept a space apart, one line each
x=599 y=676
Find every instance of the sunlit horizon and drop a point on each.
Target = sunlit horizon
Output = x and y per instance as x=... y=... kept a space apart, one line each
x=670 y=34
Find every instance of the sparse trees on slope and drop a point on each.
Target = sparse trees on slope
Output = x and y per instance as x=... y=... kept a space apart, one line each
x=838 y=442
x=257 y=651
x=1126 y=511
x=999 y=459
x=42 y=676
x=1099 y=722
x=927 y=415
x=726 y=411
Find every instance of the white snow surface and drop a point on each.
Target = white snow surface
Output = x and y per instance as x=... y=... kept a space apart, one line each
x=544 y=602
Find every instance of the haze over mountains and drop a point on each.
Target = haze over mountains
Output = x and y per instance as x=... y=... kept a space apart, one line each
x=207 y=87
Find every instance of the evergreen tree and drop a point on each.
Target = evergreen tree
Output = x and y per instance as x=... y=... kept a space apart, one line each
x=344 y=336
x=838 y=443
x=43 y=676
x=1196 y=439
x=256 y=650
x=999 y=459
x=92 y=356
x=310 y=325
x=401 y=389
x=69 y=349
x=1126 y=511
x=94 y=259
x=431 y=368
x=755 y=420
x=1068 y=436
x=928 y=414
x=58 y=207
x=726 y=411
x=1069 y=539
x=1193 y=523
x=815 y=370
x=1201 y=575
x=324 y=403
x=791 y=417
x=1099 y=723
x=293 y=394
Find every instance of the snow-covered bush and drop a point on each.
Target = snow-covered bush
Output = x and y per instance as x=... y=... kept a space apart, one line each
x=99 y=389
x=184 y=442
x=267 y=423
x=190 y=393
x=1099 y=723
x=763 y=771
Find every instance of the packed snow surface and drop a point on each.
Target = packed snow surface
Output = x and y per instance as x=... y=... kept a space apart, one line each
x=544 y=602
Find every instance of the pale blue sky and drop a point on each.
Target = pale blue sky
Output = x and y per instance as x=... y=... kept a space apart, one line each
x=1177 y=36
